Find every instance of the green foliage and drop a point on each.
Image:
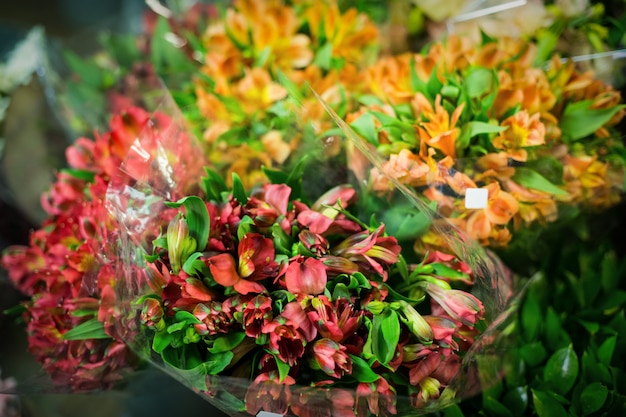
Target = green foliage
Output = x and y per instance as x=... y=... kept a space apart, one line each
x=571 y=326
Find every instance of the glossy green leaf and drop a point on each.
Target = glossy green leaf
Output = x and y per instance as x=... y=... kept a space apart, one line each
x=361 y=370
x=213 y=185
x=593 y=397
x=239 y=192
x=532 y=318
x=283 y=368
x=494 y=408
x=197 y=217
x=533 y=353
x=161 y=341
x=385 y=335
x=81 y=174
x=561 y=370
x=606 y=349
x=516 y=400
x=227 y=342
x=192 y=265
x=91 y=329
x=323 y=56
x=533 y=180
x=580 y=119
x=546 y=406
x=217 y=362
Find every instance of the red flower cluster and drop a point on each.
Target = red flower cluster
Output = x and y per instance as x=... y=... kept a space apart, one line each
x=304 y=292
x=62 y=271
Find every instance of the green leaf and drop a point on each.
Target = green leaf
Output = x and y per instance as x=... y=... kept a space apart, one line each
x=546 y=43
x=362 y=371
x=547 y=406
x=516 y=400
x=561 y=370
x=580 y=119
x=164 y=55
x=478 y=128
x=323 y=56
x=81 y=174
x=197 y=219
x=533 y=180
x=227 y=342
x=610 y=272
x=548 y=167
x=90 y=74
x=433 y=87
x=606 y=349
x=593 y=397
x=239 y=192
x=479 y=81
x=217 y=362
x=365 y=127
x=283 y=369
x=123 y=48
x=494 y=408
x=245 y=226
x=386 y=334
x=161 y=341
x=404 y=222
x=213 y=185
x=91 y=329
x=533 y=353
x=532 y=318
x=191 y=266
x=187 y=317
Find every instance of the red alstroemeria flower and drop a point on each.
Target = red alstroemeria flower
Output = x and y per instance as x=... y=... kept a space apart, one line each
x=331 y=358
x=295 y=314
x=256 y=315
x=267 y=393
x=335 y=320
x=215 y=317
x=270 y=207
x=460 y=305
x=285 y=340
x=370 y=251
x=256 y=262
x=379 y=398
x=305 y=276
x=452 y=262
x=314 y=402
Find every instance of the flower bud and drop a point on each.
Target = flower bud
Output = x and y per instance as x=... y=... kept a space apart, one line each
x=416 y=323
x=179 y=244
x=376 y=307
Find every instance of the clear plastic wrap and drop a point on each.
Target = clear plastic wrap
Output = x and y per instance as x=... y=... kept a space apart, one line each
x=163 y=167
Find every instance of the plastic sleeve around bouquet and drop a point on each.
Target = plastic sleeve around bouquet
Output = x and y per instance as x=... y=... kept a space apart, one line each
x=281 y=298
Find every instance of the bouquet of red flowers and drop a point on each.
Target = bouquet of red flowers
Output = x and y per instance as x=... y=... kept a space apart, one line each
x=292 y=296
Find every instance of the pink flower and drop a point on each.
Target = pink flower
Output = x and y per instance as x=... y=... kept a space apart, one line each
x=370 y=251
x=331 y=358
x=305 y=276
x=270 y=207
x=459 y=305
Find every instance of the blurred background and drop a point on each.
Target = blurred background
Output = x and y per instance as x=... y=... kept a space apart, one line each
x=33 y=138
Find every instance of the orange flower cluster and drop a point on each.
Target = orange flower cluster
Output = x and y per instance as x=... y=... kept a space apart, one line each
x=485 y=116
x=248 y=52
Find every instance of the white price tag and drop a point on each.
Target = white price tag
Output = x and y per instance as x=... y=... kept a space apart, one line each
x=476 y=198
x=266 y=414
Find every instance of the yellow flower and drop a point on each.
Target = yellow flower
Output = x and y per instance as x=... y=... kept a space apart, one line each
x=256 y=91
x=522 y=131
x=270 y=28
x=350 y=33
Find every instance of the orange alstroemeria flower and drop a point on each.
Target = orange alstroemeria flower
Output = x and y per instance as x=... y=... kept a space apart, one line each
x=488 y=225
x=439 y=131
x=523 y=131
